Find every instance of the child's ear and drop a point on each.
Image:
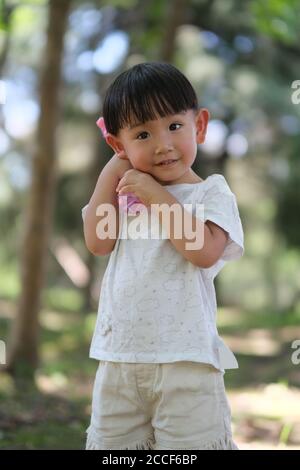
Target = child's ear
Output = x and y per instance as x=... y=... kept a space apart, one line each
x=116 y=145
x=202 y=119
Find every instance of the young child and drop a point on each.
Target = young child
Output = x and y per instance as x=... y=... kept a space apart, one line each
x=159 y=383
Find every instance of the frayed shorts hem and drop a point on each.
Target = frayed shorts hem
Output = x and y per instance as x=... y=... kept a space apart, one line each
x=221 y=443
x=148 y=443
x=93 y=442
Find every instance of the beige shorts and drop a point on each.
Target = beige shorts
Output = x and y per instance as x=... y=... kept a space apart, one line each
x=179 y=405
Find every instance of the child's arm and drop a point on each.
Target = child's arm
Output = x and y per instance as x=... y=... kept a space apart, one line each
x=104 y=193
x=203 y=246
x=214 y=237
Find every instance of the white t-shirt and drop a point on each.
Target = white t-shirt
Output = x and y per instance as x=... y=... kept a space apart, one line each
x=157 y=307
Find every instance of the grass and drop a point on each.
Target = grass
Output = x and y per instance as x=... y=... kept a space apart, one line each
x=32 y=420
x=53 y=413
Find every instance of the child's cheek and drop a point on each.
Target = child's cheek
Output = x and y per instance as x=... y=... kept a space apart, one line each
x=139 y=161
x=189 y=150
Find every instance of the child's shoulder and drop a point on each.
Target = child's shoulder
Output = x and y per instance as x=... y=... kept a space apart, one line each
x=217 y=178
x=216 y=183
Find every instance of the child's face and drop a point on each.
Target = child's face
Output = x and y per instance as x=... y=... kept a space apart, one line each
x=173 y=137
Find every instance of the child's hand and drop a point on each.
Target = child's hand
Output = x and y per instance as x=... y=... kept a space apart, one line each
x=143 y=185
x=119 y=164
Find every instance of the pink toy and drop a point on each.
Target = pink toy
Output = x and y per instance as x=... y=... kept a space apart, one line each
x=128 y=200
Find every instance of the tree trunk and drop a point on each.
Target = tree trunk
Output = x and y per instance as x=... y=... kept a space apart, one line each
x=175 y=16
x=23 y=346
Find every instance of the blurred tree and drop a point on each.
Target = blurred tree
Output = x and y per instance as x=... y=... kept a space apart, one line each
x=174 y=16
x=5 y=21
x=23 y=348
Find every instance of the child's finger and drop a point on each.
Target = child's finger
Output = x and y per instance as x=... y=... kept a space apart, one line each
x=125 y=189
x=119 y=185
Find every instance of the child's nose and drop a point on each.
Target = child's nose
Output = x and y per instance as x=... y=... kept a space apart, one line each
x=163 y=147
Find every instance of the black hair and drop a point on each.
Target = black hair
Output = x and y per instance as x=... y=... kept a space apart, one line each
x=144 y=92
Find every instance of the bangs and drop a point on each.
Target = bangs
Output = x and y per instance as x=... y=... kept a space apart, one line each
x=144 y=93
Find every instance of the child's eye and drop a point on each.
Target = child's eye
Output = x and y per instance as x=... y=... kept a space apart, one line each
x=142 y=136
x=173 y=126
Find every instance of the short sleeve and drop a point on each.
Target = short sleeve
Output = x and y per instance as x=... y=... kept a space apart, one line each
x=220 y=206
x=83 y=211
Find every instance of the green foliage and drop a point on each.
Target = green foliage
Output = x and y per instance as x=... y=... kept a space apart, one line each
x=21 y=14
x=149 y=36
x=63 y=299
x=285 y=433
x=121 y=3
x=288 y=209
x=5 y=12
x=278 y=19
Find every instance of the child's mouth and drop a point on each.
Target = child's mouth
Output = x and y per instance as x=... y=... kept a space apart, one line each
x=167 y=163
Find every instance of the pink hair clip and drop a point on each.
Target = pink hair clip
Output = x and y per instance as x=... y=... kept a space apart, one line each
x=126 y=201
x=100 y=123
